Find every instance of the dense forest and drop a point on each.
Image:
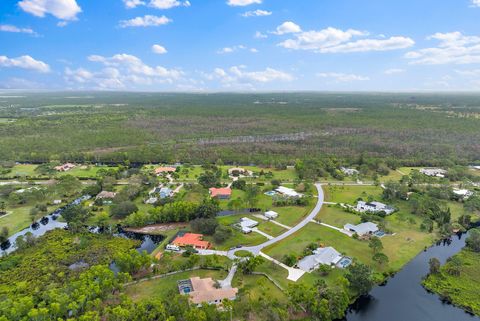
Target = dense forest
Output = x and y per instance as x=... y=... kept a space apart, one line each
x=273 y=128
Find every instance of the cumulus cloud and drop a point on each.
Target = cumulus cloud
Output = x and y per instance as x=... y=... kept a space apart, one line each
x=11 y=28
x=287 y=27
x=393 y=71
x=242 y=3
x=66 y=10
x=158 y=49
x=232 y=49
x=158 y=4
x=25 y=62
x=453 y=48
x=259 y=35
x=239 y=76
x=475 y=3
x=342 y=77
x=145 y=21
x=333 y=40
x=256 y=13
x=121 y=71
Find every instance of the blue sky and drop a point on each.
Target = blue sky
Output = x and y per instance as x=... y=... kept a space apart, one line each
x=244 y=45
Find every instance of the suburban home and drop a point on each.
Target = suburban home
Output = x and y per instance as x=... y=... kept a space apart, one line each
x=221 y=193
x=288 y=192
x=271 y=215
x=238 y=171
x=434 y=172
x=462 y=193
x=349 y=171
x=362 y=229
x=163 y=170
x=321 y=256
x=105 y=195
x=57 y=202
x=165 y=192
x=374 y=207
x=190 y=239
x=246 y=225
x=65 y=167
x=205 y=291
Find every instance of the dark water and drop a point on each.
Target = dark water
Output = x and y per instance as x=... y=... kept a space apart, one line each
x=404 y=299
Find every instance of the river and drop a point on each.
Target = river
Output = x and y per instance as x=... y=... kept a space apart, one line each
x=403 y=298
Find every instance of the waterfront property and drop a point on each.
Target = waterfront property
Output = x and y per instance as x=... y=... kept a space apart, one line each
x=374 y=207
x=205 y=291
x=190 y=239
x=321 y=256
x=363 y=229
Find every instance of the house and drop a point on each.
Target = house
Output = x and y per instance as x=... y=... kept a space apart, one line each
x=288 y=192
x=271 y=215
x=205 y=291
x=321 y=256
x=462 y=193
x=165 y=192
x=106 y=195
x=221 y=193
x=374 y=207
x=163 y=170
x=193 y=240
x=349 y=171
x=151 y=200
x=57 y=202
x=434 y=172
x=238 y=171
x=476 y=167
x=362 y=229
x=65 y=167
x=246 y=225
x=173 y=247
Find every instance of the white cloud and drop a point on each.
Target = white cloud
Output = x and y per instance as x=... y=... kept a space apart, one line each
x=158 y=49
x=256 y=13
x=469 y=73
x=66 y=10
x=475 y=3
x=228 y=50
x=332 y=40
x=393 y=71
x=145 y=21
x=121 y=71
x=11 y=28
x=237 y=75
x=242 y=3
x=25 y=62
x=453 y=48
x=259 y=35
x=341 y=77
x=287 y=27
x=157 y=4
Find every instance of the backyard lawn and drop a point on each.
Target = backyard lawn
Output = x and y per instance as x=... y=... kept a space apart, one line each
x=291 y=215
x=349 y=194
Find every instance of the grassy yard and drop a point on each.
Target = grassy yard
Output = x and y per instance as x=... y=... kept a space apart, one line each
x=271 y=228
x=18 y=218
x=164 y=288
x=22 y=171
x=256 y=286
x=85 y=171
x=291 y=215
x=349 y=194
x=394 y=175
x=333 y=215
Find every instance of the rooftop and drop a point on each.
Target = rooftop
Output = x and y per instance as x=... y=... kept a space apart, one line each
x=204 y=290
x=214 y=192
x=195 y=240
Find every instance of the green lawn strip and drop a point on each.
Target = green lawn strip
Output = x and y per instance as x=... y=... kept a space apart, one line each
x=462 y=290
x=256 y=286
x=394 y=175
x=85 y=171
x=23 y=170
x=336 y=216
x=291 y=215
x=271 y=229
x=349 y=194
x=162 y=288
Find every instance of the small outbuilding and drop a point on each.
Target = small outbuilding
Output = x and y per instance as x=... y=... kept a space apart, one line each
x=271 y=215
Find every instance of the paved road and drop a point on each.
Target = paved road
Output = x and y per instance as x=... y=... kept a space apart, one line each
x=255 y=250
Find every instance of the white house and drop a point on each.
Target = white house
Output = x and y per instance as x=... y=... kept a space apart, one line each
x=246 y=224
x=362 y=229
x=173 y=247
x=434 y=172
x=288 y=192
x=349 y=171
x=373 y=207
x=326 y=256
x=462 y=193
x=271 y=215
x=57 y=202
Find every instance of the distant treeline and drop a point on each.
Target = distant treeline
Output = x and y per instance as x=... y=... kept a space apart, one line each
x=266 y=129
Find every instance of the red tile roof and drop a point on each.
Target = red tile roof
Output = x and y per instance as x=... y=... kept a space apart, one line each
x=226 y=191
x=160 y=170
x=191 y=239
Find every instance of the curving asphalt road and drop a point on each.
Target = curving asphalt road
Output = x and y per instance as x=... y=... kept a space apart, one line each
x=255 y=250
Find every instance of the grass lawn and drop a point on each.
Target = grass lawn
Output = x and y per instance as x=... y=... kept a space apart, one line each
x=333 y=215
x=349 y=194
x=291 y=215
x=271 y=228
x=85 y=171
x=461 y=290
x=394 y=175
x=164 y=287
x=256 y=286
x=238 y=238
x=23 y=170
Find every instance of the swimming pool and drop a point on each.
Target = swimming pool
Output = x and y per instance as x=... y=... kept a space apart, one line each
x=271 y=193
x=344 y=263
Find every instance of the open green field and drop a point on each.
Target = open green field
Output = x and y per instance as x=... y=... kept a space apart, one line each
x=349 y=194
x=22 y=170
x=163 y=288
x=291 y=215
x=256 y=286
x=462 y=290
x=271 y=228
x=335 y=216
x=394 y=175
